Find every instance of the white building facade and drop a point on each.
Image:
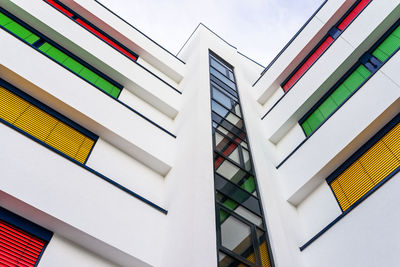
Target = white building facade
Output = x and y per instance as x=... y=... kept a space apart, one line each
x=115 y=152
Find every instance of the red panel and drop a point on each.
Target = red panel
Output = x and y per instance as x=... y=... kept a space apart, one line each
x=63 y=10
x=306 y=65
x=226 y=152
x=17 y=247
x=350 y=17
x=105 y=39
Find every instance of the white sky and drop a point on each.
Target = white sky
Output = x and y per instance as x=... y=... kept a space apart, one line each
x=258 y=28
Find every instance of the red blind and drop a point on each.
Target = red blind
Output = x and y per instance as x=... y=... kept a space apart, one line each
x=350 y=17
x=17 y=247
x=307 y=64
x=93 y=30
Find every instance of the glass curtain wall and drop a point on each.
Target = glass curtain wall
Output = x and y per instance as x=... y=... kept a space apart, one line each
x=241 y=229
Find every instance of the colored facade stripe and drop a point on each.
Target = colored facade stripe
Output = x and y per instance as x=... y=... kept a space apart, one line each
x=308 y=63
x=353 y=80
x=374 y=165
x=17 y=247
x=43 y=126
x=353 y=14
x=336 y=98
x=17 y=29
x=389 y=45
x=309 y=60
x=64 y=58
x=93 y=29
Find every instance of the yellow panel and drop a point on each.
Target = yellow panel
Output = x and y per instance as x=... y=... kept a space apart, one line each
x=371 y=168
x=355 y=182
x=265 y=260
x=11 y=106
x=392 y=140
x=66 y=139
x=379 y=161
x=340 y=195
x=36 y=122
x=44 y=126
x=84 y=150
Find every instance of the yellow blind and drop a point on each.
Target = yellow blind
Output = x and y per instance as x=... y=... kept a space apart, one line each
x=43 y=126
x=368 y=170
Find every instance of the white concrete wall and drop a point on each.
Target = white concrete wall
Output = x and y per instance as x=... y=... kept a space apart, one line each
x=83 y=103
x=61 y=252
x=94 y=51
x=366 y=237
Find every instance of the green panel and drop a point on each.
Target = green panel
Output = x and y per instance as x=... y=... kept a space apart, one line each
x=4 y=19
x=379 y=54
x=56 y=54
x=327 y=107
x=20 y=31
x=389 y=46
x=222 y=215
x=340 y=94
x=44 y=47
x=104 y=85
x=356 y=78
x=306 y=128
x=89 y=75
x=396 y=32
x=230 y=204
x=315 y=119
x=249 y=185
x=73 y=65
x=32 y=39
x=115 y=92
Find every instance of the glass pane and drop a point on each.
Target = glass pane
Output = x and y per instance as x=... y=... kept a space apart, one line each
x=225 y=113
x=218 y=66
x=229 y=171
x=263 y=249
x=226 y=261
x=246 y=159
x=228 y=126
x=223 y=87
x=237 y=237
x=222 y=78
x=236 y=175
x=234 y=192
x=221 y=98
x=230 y=74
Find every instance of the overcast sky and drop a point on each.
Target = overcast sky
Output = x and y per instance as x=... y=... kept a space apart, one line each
x=258 y=28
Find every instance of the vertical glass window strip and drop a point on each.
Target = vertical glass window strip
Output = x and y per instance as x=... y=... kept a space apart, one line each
x=240 y=223
x=59 y=54
x=323 y=45
x=93 y=29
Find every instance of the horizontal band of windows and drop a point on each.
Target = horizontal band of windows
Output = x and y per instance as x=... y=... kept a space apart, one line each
x=93 y=29
x=392 y=129
x=98 y=174
x=37 y=120
x=331 y=32
x=324 y=44
x=27 y=36
x=58 y=54
x=392 y=47
x=25 y=224
x=103 y=36
x=353 y=79
x=19 y=247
